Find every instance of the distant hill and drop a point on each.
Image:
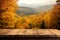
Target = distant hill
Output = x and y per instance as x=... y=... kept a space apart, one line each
x=44 y=8
x=28 y=10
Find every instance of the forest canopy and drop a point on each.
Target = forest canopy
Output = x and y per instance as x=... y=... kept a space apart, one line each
x=9 y=18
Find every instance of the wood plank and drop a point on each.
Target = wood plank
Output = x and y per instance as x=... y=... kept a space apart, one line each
x=55 y=32
x=22 y=31
x=4 y=31
x=44 y=32
x=13 y=32
x=31 y=32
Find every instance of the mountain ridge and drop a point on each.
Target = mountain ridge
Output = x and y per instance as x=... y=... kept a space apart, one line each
x=29 y=10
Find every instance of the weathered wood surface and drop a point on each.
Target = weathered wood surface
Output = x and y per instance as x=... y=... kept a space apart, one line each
x=48 y=32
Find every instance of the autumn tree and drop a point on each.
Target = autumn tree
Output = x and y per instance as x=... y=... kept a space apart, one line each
x=52 y=18
x=21 y=23
x=55 y=16
x=7 y=13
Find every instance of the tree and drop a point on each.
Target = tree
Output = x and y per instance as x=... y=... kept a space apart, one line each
x=8 y=16
x=52 y=18
x=43 y=25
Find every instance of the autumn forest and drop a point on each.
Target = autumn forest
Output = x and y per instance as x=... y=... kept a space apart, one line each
x=42 y=20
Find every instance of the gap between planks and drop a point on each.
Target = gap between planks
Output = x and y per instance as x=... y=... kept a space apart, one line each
x=16 y=32
x=31 y=32
x=56 y=32
x=44 y=32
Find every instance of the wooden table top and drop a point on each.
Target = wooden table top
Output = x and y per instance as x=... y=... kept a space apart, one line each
x=48 y=32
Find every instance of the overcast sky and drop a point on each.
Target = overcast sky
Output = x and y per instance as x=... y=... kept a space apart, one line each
x=33 y=2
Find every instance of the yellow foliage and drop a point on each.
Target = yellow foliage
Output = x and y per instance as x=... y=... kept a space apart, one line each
x=9 y=19
x=52 y=18
x=31 y=21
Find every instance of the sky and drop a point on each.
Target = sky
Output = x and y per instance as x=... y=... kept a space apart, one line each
x=33 y=2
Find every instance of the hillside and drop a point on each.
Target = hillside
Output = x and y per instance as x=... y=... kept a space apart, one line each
x=29 y=10
x=44 y=8
x=26 y=10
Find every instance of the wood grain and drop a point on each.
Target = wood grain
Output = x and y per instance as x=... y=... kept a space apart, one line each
x=55 y=32
x=22 y=31
x=13 y=32
x=31 y=32
x=4 y=31
x=44 y=32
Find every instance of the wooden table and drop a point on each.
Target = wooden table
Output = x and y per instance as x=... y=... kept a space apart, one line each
x=32 y=32
x=52 y=32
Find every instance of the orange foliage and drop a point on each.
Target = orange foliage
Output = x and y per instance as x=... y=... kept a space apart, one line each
x=52 y=18
x=31 y=21
x=8 y=17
